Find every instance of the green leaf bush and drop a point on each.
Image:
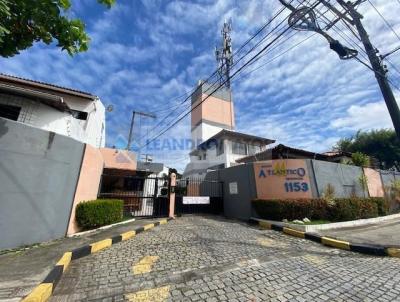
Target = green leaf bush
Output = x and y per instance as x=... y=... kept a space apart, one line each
x=96 y=213
x=337 y=209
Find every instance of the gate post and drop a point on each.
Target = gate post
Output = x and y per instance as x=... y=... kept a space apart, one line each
x=172 y=185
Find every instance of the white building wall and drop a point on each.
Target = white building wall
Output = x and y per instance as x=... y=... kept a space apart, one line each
x=39 y=115
x=203 y=132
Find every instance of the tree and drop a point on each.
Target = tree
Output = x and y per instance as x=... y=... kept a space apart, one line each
x=360 y=159
x=380 y=144
x=23 y=22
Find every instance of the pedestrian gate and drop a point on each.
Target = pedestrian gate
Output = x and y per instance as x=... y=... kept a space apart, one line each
x=143 y=196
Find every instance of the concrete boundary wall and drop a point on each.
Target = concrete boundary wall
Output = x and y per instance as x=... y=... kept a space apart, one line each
x=374 y=183
x=344 y=178
x=38 y=177
x=388 y=177
x=88 y=183
x=240 y=182
x=239 y=190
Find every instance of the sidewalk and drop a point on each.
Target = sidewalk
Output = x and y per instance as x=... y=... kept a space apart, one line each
x=21 y=271
x=385 y=233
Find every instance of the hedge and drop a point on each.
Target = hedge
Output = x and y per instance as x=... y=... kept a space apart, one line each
x=339 y=209
x=96 y=213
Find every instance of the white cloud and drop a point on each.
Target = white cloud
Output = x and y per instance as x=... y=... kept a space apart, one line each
x=367 y=117
x=146 y=53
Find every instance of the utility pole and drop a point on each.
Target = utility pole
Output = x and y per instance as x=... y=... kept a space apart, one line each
x=224 y=55
x=304 y=18
x=128 y=147
x=377 y=65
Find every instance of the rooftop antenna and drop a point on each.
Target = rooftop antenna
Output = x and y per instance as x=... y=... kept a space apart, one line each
x=224 y=55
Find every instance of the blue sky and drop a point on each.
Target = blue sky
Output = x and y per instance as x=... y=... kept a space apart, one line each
x=146 y=53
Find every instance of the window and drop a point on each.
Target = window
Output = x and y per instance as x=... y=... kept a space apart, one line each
x=79 y=115
x=253 y=149
x=10 y=112
x=220 y=147
x=239 y=148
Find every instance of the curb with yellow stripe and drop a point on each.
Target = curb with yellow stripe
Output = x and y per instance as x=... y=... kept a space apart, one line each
x=363 y=248
x=43 y=291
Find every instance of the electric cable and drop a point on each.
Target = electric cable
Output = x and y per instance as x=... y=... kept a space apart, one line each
x=234 y=74
x=235 y=63
x=384 y=19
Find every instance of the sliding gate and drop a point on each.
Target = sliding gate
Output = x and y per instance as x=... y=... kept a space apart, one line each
x=143 y=196
x=198 y=196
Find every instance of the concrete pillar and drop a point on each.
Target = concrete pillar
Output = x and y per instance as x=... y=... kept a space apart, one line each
x=172 y=195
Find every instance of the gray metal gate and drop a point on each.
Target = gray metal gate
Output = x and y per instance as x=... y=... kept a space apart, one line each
x=196 y=187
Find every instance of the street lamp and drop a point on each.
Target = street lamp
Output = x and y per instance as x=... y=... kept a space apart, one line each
x=304 y=19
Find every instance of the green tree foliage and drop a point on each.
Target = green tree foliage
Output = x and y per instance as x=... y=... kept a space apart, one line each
x=360 y=159
x=23 y=22
x=380 y=144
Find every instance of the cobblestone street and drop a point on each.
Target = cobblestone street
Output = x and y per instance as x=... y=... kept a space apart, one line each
x=211 y=259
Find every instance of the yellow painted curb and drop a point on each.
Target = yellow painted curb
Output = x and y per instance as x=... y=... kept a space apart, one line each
x=344 y=245
x=148 y=226
x=393 y=252
x=164 y=221
x=264 y=225
x=65 y=260
x=99 y=245
x=294 y=233
x=128 y=235
x=41 y=293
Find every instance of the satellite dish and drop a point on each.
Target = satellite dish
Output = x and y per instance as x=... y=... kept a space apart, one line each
x=110 y=108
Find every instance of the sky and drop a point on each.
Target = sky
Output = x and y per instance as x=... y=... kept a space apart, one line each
x=146 y=54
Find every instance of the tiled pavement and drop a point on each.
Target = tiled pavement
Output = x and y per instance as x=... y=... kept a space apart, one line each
x=211 y=259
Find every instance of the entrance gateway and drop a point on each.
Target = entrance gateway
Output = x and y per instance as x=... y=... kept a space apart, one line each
x=146 y=196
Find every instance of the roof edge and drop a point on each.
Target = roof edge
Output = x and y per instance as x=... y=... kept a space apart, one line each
x=43 y=85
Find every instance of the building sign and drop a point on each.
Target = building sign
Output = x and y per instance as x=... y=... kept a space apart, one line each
x=233 y=188
x=282 y=179
x=196 y=200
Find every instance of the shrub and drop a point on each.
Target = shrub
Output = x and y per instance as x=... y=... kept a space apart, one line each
x=96 y=213
x=346 y=209
x=329 y=192
x=383 y=205
x=278 y=209
x=339 y=209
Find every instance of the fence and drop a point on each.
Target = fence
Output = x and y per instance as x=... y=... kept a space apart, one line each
x=143 y=196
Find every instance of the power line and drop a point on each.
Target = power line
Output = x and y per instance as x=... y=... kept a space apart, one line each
x=392 y=51
x=236 y=52
x=249 y=51
x=220 y=85
x=362 y=52
x=380 y=74
x=392 y=65
x=279 y=55
x=235 y=63
x=384 y=19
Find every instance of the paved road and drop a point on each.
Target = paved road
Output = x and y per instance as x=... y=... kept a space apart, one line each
x=22 y=270
x=210 y=259
x=386 y=233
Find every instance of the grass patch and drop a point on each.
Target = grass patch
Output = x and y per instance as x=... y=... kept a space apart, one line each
x=313 y=222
